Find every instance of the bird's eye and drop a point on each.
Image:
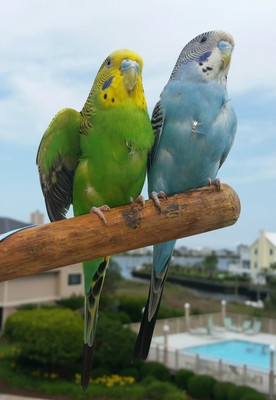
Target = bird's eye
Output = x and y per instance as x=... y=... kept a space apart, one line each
x=108 y=63
x=203 y=39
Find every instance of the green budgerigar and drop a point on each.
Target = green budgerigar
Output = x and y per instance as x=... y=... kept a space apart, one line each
x=95 y=159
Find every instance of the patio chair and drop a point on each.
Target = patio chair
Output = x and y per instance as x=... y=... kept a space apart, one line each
x=199 y=331
x=255 y=328
x=213 y=330
x=210 y=329
x=243 y=327
x=236 y=328
x=229 y=324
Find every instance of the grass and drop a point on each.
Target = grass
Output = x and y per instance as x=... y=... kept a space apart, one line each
x=13 y=379
x=175 y=296
x=29 y=381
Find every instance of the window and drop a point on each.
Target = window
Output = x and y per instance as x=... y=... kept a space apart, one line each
x=271 y=252
x=74 y=279
x=256 y=251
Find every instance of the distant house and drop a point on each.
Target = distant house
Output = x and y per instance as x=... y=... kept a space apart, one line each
x=263 y=252
x=46 y=287
x=244 y=253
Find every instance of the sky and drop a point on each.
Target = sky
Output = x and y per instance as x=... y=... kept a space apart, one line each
x=50 y=54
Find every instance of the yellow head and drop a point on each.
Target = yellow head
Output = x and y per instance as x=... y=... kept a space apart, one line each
x=119 y=81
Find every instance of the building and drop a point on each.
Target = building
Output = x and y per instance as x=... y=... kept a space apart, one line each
x=244 y=253
x=263 y=252
x=46 y=287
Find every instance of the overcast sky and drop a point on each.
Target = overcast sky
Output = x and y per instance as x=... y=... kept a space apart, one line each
x=51 y=51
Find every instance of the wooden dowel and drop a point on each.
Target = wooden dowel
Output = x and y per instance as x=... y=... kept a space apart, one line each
x=70 y=241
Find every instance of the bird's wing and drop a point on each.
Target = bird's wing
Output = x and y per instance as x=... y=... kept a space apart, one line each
x=229 y=135
x=57 y=158
x=157 y=122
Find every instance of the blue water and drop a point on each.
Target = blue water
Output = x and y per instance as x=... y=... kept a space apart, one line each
x=235 y=351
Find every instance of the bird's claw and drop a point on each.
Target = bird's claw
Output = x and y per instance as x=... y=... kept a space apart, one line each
x=140 y=199
x=98 y=211
x=156 y=196
x=216 y=183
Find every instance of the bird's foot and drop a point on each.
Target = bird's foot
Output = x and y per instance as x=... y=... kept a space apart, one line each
x=216 y=183
x=140 y=199
x=98 y=211
x=156 y=196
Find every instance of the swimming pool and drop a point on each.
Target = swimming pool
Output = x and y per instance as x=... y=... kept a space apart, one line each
x=235 y=351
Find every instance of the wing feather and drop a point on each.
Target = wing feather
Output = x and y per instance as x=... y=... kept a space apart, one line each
x=57 y=158
x=157 y=122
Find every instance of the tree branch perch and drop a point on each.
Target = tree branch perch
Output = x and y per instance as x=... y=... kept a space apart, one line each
x=66 y=242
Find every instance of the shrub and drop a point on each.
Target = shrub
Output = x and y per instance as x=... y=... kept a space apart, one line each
x=175 y=396
x=49 y=337
x=156 y=370
x=239 y=392
x=157 y=390
x=221 y=389
x=119 y=315
x=99 y=372
x=113 y=277
x=181 y=378
x=132 y=306
x=201 y=386
x=169 y=312
x=131 y=371
x=114 y=344
x=73 y=302
x=254 y=396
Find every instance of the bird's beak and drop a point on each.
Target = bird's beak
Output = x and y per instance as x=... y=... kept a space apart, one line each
x=226 y=49
x=130 y=69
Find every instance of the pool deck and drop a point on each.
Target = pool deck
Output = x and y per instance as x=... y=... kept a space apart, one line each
x=180 y=341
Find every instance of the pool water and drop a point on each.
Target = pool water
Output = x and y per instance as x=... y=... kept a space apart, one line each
x=235 y=351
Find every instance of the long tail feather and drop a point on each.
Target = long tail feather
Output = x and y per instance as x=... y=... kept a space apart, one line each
x=94 y=274
x=162 y=254
x=143 y=341
x=87 y=362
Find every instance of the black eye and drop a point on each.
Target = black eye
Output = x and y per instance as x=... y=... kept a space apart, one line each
x=108 y=63
x=203 y=39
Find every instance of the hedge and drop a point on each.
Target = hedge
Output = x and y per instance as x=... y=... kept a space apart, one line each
x=182 y=377
x=51 y=337
x=201 y=386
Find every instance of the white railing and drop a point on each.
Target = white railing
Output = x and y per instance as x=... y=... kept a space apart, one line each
x=260 y=379
x=185 y=323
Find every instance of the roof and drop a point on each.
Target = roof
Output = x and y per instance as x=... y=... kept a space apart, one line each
x=271 y=236
x=9 y=224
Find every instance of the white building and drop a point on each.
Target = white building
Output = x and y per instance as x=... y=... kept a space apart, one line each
x=46 y=287
x=263 y=252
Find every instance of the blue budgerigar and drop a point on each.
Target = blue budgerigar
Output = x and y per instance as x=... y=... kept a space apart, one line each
x=195 y=126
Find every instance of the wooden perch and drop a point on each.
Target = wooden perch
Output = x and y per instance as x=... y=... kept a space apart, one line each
x=70 y=241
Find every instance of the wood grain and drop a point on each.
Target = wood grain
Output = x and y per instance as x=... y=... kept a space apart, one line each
x=62 y=243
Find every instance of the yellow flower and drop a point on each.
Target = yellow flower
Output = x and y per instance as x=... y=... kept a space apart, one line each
x=77 y=378
x=114 y=379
